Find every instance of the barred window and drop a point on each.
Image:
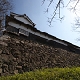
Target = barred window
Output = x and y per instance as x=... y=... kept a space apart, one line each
x=22 y=31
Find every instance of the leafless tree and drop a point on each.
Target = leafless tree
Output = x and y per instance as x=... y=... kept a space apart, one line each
x=59 y=5
x=5 y=7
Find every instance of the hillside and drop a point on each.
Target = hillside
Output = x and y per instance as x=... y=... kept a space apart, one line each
x=18 y=55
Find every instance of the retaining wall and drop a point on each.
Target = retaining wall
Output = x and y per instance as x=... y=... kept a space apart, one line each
x=20 y=54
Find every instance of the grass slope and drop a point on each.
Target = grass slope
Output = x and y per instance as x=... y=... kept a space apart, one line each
x=48 y=74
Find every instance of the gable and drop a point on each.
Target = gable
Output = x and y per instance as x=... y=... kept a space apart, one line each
x=24 y=20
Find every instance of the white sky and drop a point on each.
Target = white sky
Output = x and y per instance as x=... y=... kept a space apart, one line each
x=35 y=10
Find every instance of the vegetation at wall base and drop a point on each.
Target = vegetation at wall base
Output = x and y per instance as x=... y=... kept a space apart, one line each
x=47 y=74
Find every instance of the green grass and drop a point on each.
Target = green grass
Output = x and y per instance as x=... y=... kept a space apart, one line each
x=48 y=74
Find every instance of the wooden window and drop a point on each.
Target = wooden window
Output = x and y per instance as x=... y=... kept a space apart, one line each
x=12 y=29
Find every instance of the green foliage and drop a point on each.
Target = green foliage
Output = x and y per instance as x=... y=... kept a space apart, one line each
x=48 y=74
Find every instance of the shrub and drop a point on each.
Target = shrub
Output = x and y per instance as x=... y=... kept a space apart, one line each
x=47 y=74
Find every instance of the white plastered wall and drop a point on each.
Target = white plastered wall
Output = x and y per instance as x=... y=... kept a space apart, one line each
x=22 y=19
x=36 y=33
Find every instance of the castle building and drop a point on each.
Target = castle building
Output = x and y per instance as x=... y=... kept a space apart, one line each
x=23 y=25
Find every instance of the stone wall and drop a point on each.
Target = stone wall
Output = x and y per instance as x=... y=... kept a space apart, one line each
x=19 y=54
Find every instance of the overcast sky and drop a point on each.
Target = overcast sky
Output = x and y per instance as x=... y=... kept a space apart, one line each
x=36 y=12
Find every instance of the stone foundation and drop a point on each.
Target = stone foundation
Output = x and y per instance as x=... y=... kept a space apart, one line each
x=18 y=54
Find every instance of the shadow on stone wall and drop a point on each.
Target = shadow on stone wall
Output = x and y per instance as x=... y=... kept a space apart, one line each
x=70 y=47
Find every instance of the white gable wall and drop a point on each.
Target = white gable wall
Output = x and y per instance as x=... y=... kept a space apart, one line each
x=22 y=19
x=18 y=26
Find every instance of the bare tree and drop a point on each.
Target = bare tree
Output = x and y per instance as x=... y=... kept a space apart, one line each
x=5 y=7
x=59 y=5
